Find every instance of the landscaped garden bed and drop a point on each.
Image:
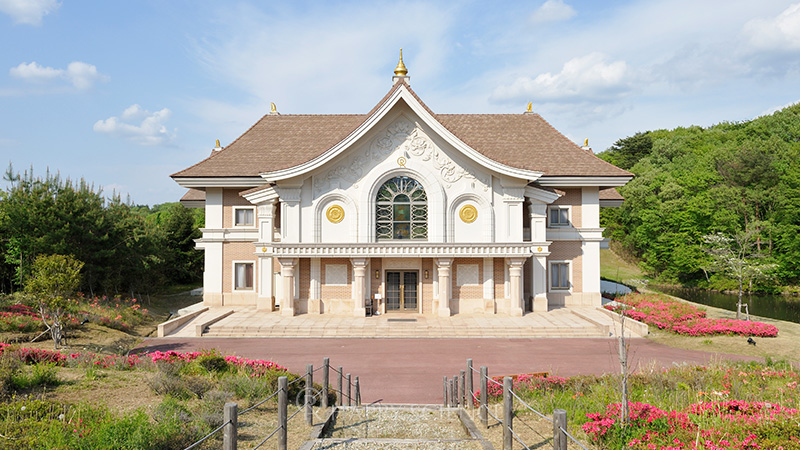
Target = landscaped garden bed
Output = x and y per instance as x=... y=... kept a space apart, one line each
x=666 y=313
x=726 y=406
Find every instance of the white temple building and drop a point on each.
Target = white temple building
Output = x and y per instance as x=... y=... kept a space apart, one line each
x=402 y=210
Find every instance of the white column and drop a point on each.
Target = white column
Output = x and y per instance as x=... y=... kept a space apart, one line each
x=443 y=266
x=515 y=275
x=290 y=213
x=590 y=207
x=488 y=285
x=287 y=275
x=212 y=274
x=359 y=289
x=266 y=299
x=315 y=296
x=539 y=282
x=591 y=273
x=214 y=208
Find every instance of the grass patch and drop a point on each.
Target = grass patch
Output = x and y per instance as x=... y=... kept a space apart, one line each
x=614 y=268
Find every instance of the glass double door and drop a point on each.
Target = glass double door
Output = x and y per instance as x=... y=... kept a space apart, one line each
x=401 y=291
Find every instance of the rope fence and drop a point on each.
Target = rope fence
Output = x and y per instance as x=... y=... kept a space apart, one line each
x=231 y=414
x=453 y=396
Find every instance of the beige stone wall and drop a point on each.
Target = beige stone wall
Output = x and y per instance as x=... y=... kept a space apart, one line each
x=566 y=251
x=499 y=279
x=231 y=198
x=336 y=291
x=573 y=197
x=236 y=251
x=426 y=293
x=304 y=271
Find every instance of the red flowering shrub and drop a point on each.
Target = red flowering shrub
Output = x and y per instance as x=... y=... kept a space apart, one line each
x=668 y=314
x=20 y=318
x=650 y=427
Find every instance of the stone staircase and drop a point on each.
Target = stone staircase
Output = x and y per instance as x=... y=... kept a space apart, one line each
x=588 y=322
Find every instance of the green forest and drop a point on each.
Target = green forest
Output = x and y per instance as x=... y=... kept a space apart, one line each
x=740 y=181
x=125 y=249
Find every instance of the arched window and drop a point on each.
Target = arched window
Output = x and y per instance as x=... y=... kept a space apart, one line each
x=401 y=210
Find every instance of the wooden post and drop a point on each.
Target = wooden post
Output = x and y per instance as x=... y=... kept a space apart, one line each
x=469 y=388
x=508 y=413
x=484 y=396
x=326 y=378
x=349 y=391
x=455 y=391
x=358 y=392
x=229 y=436
x=309 y=393
x=444 y=394
x=462 y=386
x=452 y=393
x=283 y=401
x=559 y=422
x=339 y=387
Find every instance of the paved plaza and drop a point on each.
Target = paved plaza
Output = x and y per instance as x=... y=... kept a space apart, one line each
x=559 y=322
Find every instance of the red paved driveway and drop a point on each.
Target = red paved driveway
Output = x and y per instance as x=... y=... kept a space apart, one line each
x=411 y=370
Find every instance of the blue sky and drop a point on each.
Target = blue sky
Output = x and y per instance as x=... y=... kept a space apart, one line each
x=125 y=93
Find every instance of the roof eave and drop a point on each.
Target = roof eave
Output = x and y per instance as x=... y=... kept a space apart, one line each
x=204 y=182
x=580 y=181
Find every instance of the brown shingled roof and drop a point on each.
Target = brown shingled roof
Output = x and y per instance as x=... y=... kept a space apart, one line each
x=524 y=141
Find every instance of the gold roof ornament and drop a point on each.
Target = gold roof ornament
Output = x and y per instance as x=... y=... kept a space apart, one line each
x=586 y=142
x=218 y=146
x=400 y=70
x=530 y=107
x=272 y=108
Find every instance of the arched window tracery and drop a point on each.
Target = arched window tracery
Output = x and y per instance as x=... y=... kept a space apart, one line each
x=401 y=210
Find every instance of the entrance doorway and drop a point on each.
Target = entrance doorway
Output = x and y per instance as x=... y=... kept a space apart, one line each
x=401 y=291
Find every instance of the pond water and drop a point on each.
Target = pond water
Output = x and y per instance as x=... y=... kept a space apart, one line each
x=611 y=287
x=781 y=307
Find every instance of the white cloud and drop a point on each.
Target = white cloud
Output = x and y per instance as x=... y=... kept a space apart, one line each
x=780 y=33
x=138 y=125
x=80 y=74
x=28 y=11
x=590 y=78
x=553 y=11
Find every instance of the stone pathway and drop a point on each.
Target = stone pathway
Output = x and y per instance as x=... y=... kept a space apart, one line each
x=400 y=428
x=588 y=322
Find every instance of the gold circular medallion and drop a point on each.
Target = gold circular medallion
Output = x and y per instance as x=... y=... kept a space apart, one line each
x=539 y=249
x=401 y=161
x=335 y=214
x=468 y=213
x=263 y=249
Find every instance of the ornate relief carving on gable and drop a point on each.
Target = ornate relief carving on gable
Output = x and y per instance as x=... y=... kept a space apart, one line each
x=402 y=134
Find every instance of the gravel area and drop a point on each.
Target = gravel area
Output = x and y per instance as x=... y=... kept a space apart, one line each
x=412 y=423
x=394 y=445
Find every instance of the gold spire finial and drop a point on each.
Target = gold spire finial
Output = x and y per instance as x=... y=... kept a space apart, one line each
x=586 y=142
x=218 y=144
x=272 y=108
x=400 y=70
x=530 y=107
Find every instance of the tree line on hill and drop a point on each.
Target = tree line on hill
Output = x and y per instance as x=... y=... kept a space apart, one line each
x=125 y=249
x=740 y=180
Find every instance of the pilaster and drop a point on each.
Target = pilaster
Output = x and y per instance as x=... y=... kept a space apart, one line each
x=288 y=277
x=515 y=277
x=444 y=266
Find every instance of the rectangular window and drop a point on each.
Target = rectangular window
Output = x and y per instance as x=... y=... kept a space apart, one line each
x=559 y=217
x=243 y=217
x=243 y=273
x=559 y=275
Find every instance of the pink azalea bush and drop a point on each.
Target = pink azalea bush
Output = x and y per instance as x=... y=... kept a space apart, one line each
x=20 y=318
x=671 y=315
x=254 y=367
x=722 y=425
